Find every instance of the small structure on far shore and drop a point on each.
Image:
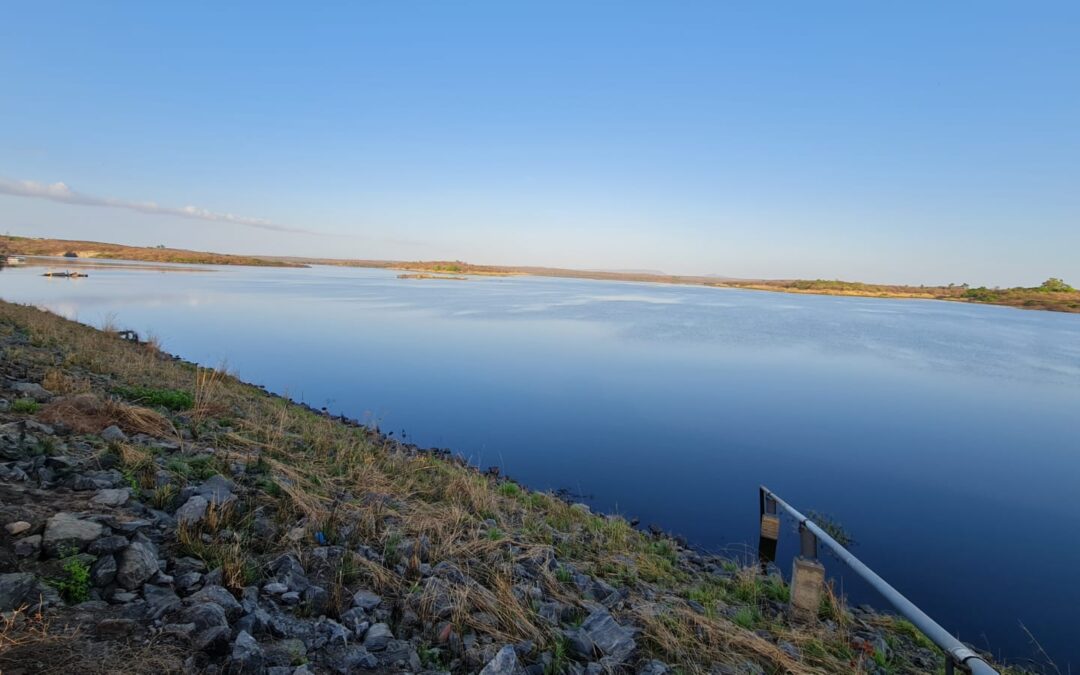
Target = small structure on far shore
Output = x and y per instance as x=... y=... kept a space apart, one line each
x=65 y=275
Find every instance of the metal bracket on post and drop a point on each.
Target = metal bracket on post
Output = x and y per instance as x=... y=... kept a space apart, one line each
x=769 y=528
x=807 y=543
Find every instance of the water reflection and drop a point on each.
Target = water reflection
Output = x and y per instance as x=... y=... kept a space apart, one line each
x=933 y=431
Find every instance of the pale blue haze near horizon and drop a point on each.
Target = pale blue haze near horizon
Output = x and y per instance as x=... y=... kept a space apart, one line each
x=890 y=142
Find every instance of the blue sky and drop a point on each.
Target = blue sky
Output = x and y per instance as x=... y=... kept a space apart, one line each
x=893 y=142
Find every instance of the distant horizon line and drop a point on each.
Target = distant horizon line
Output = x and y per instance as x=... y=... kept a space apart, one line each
x=496 y=268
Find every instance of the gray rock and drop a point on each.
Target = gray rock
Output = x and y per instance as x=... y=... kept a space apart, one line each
x=28 y=547
x=220 y=597
x=348 y=659
x=793 y=651
x=366 y=600
x=256 y=622
x=159 y=600
x=612 y=639
x=316 y=600
x=187 y=581
x=193 y=511
x=123 y=597
x=504 y=663
x=106 y=545
x=113 y=434
x=355 y=620
x=213 y=640
x=111 y=497
x=247 y=655
x=288 y=570
x=115 y=628
x=275 y=588
x=217 y=490
x=32 y=425
x=334 y=632
x=18 y=527
x=33 y=390
x=291 y=598
x=653 y=667
x=377 y=637
x=103 y=571
x=579 y=644
x=15 y=589
x=138 y=563
x=205 y=615
x=65 y=531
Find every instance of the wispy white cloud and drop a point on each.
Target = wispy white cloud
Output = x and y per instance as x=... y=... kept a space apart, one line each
x=60 y=192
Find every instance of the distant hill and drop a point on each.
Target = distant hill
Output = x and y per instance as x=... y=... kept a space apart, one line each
x=1053 y=295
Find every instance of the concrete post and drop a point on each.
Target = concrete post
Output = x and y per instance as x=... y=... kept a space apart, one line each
x=807 y=587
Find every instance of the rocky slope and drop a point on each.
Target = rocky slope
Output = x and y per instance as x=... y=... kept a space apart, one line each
x=160 y=517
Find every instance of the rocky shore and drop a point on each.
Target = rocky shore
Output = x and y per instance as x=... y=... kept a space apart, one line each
x=161 y=517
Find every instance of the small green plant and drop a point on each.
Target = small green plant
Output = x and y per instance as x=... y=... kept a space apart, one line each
x=509 y=489
x=25 y=405
x=832 y=527
x=880 y=659
x=747 y=617
x=664 y=549
x=391 y=554
x=75 y=586
x=173 y=399
x=494 y=534
x=559 y=658
x=905 y=627
x=164 y=495
x=563 y=575
x=432 y=658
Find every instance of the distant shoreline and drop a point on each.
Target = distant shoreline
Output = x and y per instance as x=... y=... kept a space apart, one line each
x=1055 y=297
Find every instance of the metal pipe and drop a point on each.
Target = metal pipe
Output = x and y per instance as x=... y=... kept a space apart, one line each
x=952 y=647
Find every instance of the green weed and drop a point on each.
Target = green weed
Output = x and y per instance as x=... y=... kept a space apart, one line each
x=25 y=405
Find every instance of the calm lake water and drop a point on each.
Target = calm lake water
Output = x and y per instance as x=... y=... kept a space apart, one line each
x=944 y=437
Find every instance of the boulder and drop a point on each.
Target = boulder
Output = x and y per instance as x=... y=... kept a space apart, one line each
x=377 y=637
x=66 y=532
x=214 y=640
x=159 y=600
x=111 y=497
x=366 y=600
x=247 y=655
x=612 y=639
x=504 y=663
x=33 y=390
x=193 y=511
x=18 y=527
x=103 y=571
x=138 y=563
x=348 y=659
x=15 y=589
x=205 y=615
x=107 y=545
x=288 y=570
x=113 y=434
x=28 y=547
x=220 y=597
x=217 y=490
x=115 y=628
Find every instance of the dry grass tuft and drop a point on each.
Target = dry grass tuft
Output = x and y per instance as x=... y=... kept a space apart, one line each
x=89 y=413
